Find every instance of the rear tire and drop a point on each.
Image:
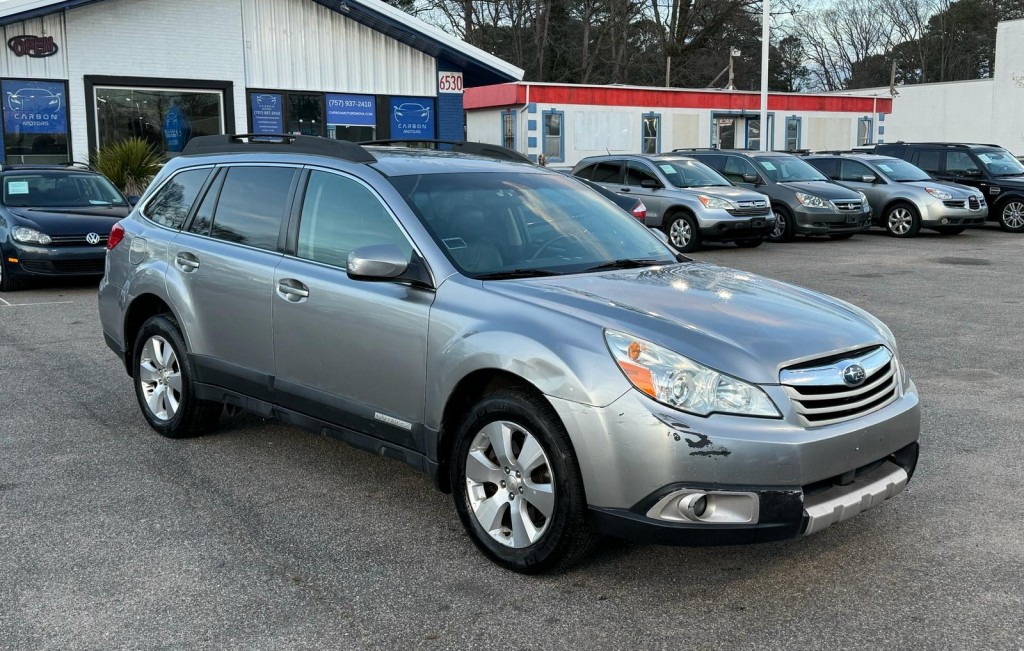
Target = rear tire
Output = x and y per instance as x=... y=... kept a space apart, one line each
x=7 y=282
x=165 y=385
x=1011 y=215
x=950 y=230
x=749 y=244
x=902 y=220
x=785 y=229
x=683 y=232
x=512 y=461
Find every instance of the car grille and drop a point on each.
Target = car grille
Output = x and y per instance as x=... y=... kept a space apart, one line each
x=76 y=240
x=750 y=209
x=84 y=267
x=847 y=206
x=820 y=396
x=973 y=203
x=954 y=203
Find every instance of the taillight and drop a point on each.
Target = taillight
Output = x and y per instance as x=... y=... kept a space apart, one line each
x=640 y=211
x=116 y=235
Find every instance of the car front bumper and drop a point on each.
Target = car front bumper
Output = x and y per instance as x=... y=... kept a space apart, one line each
x=721 y=226
x=36 y=260
x=637 y=457
x=819 y=221
x=937 y=213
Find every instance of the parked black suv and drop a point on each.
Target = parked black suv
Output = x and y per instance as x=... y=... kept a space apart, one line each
x=990 y=168
x=804 y=200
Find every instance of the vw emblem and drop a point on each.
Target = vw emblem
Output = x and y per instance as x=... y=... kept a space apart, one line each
x=854 y=375
x=92 y=238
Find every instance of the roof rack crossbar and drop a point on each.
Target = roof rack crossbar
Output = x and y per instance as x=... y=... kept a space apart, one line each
x=463 y=146
x=280 y=143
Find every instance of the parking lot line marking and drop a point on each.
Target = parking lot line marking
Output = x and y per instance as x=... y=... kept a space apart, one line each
x=6 y=304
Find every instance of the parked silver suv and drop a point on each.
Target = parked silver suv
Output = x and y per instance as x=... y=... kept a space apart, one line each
x=904 y=198
x=537 y=351
x=685 y=198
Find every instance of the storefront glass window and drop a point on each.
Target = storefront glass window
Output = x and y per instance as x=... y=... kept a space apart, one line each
x=651 y=126
x=553 y=135
x=724 y=136
x=792 y=133
x=35 y=121
x=306 y=114
x=167 y=118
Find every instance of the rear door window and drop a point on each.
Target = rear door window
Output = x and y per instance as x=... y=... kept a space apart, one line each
x=172 y=203
x=930 y=160
x=252 y=205
x=827 y=166
x=607 y=172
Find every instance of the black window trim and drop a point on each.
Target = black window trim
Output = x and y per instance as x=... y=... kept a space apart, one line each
x=621 y=162
x=644 y=165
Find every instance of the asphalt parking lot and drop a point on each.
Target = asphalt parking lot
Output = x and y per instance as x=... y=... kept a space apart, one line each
x=263 y=536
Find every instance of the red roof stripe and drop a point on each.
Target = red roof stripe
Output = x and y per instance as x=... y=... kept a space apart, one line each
x=654 y=98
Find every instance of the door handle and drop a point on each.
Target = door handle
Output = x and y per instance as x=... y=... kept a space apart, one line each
x=187 y=262
x=292 y=290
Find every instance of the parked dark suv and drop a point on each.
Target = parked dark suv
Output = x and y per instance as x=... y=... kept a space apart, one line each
x=990 y=168
x=804 y=200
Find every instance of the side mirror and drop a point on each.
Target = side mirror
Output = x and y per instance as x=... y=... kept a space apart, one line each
x=377 y=262
x=869 y=178
x=752 y=178
x=650 y=184
x=133 y=199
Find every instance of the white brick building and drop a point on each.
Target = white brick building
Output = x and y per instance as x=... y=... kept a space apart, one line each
x=78 y=74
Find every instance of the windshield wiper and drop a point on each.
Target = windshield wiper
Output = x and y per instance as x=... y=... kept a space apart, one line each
x=516 y=273
x=1010 y=174
x=627 y=263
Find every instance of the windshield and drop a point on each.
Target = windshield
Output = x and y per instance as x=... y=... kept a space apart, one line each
x=1000 y=162
x=690 y=174
x=789 y=169
x=901 y=171
x=59 y=190
x=494 y=225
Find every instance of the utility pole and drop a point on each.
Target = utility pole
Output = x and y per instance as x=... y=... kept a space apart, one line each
x=668 y=71
x=765 y=48
x=733 y=52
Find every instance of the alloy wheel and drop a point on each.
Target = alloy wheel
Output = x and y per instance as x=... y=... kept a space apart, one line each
x=900 y=221
x=160 y=378
x=1013 y=215
x=680 y=233
x=510 y=484
x=780 y=226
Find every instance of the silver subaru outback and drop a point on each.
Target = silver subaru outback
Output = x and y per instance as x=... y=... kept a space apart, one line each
x=541 y=355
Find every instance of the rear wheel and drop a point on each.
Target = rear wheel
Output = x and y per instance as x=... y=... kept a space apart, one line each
x=517 y=484
x=950 y=230
x=1011 y=216
x=749 y=244
x=7 y=281
x=902 y=220
x=164 y=382
x=784 y=230
x=683 y=232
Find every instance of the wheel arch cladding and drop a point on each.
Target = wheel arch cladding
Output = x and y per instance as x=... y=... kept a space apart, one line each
x=140 y=310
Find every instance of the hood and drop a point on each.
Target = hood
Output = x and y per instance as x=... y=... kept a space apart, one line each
x=958 y=191
x=1016 y=182
x=823 y=189
x=741 y=324
x=729 y=192
x=70 y=221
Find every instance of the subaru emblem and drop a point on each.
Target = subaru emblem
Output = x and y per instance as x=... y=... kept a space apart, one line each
x=92 y=238
x=854 y=375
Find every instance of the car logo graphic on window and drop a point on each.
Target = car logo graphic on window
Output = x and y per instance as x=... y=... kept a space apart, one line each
x=33 y=100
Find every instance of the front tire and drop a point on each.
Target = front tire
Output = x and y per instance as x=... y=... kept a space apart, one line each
x=785 y=229
x=902 y=220
x=517 y=485
x=7 y=282
x=1011 y=216
x=683 y=232
x=165 y=385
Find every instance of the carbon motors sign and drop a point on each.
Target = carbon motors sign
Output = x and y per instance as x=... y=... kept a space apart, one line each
x=36 y=47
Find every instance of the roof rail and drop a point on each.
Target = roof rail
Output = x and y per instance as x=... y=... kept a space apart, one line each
x=697 y=149
x=43 y=166
x=278 y=143
x=465 y=147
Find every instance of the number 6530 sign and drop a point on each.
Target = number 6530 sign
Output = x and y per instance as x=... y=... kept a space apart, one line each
x=449 y=82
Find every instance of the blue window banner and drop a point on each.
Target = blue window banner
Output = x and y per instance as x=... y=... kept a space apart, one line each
x=351 y=110
x=412 y=117
x=33 y=106
x=177 y=129
x=267 y=112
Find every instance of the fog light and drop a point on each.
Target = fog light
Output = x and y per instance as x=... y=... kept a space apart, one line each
x=695 y=506
x=945 y=221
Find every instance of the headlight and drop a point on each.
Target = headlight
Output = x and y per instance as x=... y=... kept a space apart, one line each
x=938 y=194
x=715 y=202
x=684 y=384
x=30 y=235
x=865 y=203
x=812 y=201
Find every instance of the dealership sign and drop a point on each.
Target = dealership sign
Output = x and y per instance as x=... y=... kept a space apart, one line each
x=36 y=47
x=267 y=112
x=412 y=117
x=34 y=107
x=351 y=110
